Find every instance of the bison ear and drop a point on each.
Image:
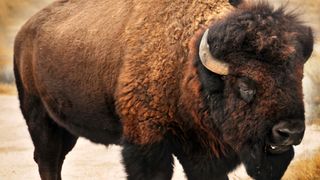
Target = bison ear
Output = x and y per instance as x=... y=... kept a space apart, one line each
x=307 y=43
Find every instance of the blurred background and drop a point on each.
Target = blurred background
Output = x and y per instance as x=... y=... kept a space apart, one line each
x=13 y=13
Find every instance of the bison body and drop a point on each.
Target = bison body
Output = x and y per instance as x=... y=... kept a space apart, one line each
x=138 y=74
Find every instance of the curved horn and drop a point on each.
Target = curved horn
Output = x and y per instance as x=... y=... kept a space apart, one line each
x=208 y=60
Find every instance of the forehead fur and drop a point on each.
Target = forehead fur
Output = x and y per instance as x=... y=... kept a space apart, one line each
x=258 y=31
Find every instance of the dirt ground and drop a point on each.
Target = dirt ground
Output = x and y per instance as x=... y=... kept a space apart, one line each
x=87 y=160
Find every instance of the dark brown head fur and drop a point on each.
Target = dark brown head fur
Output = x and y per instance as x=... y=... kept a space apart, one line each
x=266 y=50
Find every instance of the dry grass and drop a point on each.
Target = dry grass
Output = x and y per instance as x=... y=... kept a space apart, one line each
x=315 y=122
x=8 y=89
x=307 y=169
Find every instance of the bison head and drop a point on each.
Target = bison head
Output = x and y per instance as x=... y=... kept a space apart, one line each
x=251 y=71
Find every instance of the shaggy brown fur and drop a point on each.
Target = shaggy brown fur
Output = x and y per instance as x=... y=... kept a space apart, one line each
x=191 y=86
x=145 y=102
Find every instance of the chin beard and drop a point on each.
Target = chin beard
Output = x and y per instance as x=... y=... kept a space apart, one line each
x=262 y=163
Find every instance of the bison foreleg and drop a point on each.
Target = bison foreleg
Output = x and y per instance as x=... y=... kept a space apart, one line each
x=147 y=162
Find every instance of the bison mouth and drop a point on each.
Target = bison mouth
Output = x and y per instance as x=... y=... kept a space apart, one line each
x=277 y=149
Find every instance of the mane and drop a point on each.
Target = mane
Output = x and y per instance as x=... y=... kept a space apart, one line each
x=258 y=31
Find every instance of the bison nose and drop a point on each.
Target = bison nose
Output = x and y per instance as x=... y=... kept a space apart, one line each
x=288 y=133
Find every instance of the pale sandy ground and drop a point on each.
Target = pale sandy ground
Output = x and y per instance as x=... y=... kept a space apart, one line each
x=87 y=160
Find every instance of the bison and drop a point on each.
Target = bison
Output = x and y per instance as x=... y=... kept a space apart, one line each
x=212 y=84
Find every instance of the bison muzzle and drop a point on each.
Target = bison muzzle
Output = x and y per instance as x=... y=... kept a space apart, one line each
x=212 y=84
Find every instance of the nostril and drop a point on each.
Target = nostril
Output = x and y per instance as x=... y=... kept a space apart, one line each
x=297 y=130
x=287 y=133
x=284 y=133
x=287 y=136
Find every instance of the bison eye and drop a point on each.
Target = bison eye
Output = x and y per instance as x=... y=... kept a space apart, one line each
x=246 y=89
